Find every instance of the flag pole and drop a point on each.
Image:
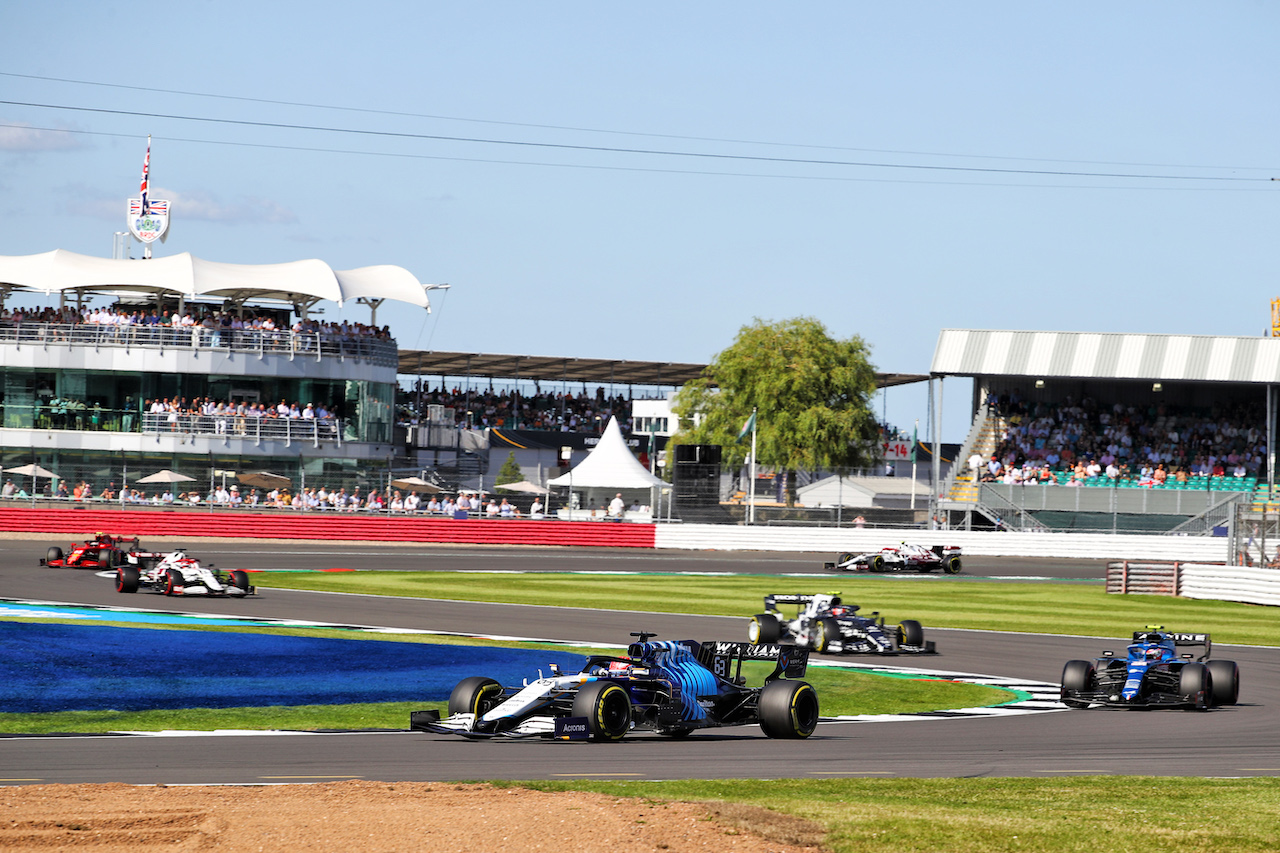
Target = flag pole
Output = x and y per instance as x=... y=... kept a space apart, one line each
x=751 y=494
x=144 y=190
x=914 y=440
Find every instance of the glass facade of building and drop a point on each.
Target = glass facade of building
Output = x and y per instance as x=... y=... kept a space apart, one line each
x=114 y=401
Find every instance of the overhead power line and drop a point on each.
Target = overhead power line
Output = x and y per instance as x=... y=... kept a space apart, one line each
x=639 y=151
x=579 y=129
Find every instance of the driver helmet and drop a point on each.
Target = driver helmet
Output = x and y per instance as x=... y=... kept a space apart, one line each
x=1154 y=653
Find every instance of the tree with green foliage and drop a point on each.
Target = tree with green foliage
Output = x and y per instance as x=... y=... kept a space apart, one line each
x=812 y=395
x=509 y=472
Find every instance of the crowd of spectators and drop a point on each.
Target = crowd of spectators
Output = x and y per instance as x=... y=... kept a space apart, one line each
x=1085 y=443
x=563 y=412
x=385 y=500
x=222 y=416
x=204 y=318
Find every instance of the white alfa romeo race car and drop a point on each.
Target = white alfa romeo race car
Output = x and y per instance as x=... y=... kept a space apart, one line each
x=900 y=558
x=177 y=574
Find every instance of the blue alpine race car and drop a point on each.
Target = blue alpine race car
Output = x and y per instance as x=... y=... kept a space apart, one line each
x=1154 y=674
x=671 y=687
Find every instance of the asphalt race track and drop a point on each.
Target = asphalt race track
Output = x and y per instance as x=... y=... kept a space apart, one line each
x=1243 y=740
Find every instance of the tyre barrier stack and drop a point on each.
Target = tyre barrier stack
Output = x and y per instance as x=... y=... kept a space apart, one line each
x=82 y=523
x=1213 y=581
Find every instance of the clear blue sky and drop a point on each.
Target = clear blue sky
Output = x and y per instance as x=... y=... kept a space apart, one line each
x=603 y=253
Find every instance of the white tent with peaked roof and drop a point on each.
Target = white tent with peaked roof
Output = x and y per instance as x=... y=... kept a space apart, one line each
x=609 y=466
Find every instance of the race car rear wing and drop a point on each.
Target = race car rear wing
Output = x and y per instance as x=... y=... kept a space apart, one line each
x=771 y=602
x=725 y=658
x=1179 y=639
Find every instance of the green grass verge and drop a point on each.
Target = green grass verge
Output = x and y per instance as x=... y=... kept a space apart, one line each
x=841 y=692
x=1037 y=608
x=1088 y=814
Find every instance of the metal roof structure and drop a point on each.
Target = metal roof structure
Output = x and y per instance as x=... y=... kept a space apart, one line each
x=1091 y=355
x=569 y=369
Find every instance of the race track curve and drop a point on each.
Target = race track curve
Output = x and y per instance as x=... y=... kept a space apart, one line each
x=1242 y=740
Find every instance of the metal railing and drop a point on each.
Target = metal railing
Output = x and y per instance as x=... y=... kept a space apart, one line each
x=77 y=417
x=317 y=345
x=256 y=428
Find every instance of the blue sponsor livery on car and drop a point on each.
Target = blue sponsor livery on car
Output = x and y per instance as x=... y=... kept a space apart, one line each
x=671 y=687
x=1155 y=673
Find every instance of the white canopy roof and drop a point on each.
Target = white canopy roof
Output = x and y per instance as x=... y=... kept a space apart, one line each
x=610 y=466
x=185 y=274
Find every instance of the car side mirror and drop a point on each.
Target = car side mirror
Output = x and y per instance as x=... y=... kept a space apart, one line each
x=1108 y=654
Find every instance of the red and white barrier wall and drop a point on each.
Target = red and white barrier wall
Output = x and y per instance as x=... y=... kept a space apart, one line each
x=79 y=523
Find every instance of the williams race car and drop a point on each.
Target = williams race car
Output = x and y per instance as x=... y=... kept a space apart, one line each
x=178 y=574
x=103 y=551
x=1154 y=675
x=900 y=558
x=827 y=625
x=671 y=687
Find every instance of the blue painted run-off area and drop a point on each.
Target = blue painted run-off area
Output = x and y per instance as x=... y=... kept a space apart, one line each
x=95 y=667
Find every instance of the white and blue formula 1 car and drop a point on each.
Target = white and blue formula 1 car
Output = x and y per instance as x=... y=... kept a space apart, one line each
x=671 y=687
x=824 y=623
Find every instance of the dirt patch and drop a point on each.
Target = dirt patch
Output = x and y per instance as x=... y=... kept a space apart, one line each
x=371 y=817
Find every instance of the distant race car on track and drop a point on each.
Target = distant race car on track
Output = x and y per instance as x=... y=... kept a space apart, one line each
x=1153 y=675
x=103 y=551
x=178 y=574
x=826 y=624
x=671 y=687
x=900 y=558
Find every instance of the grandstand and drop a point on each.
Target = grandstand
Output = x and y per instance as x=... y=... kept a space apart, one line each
x=1114 y=432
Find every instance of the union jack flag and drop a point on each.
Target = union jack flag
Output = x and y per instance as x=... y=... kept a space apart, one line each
x=146 y=169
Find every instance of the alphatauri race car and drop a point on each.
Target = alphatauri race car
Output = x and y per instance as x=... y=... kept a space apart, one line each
x=103 y=551
x=178 y=574
x=671 y=687
x=900 y=558
x=1153 y=675
x=827 y=625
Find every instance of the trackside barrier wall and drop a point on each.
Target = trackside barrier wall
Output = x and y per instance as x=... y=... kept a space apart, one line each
x=1094 y=546
x=238 y=525
x=1231 y=583
x=1196 y=580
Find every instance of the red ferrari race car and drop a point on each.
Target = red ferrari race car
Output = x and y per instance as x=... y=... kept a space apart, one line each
x=900 y=558
x=103 y=551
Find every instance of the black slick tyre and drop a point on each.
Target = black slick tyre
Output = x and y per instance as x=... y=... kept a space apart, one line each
x=788 y=709
x=764 y=628
x=951 y=565
x=475 y=695
x=607 y=708
x=54 y=554
x=172 y=582
x=1225 y=678
x=240 y=578
x=127 y=579
x=1194 y=679
x=1077 y=677
x=825 y=632
x=910 y=633
x=877 y=563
